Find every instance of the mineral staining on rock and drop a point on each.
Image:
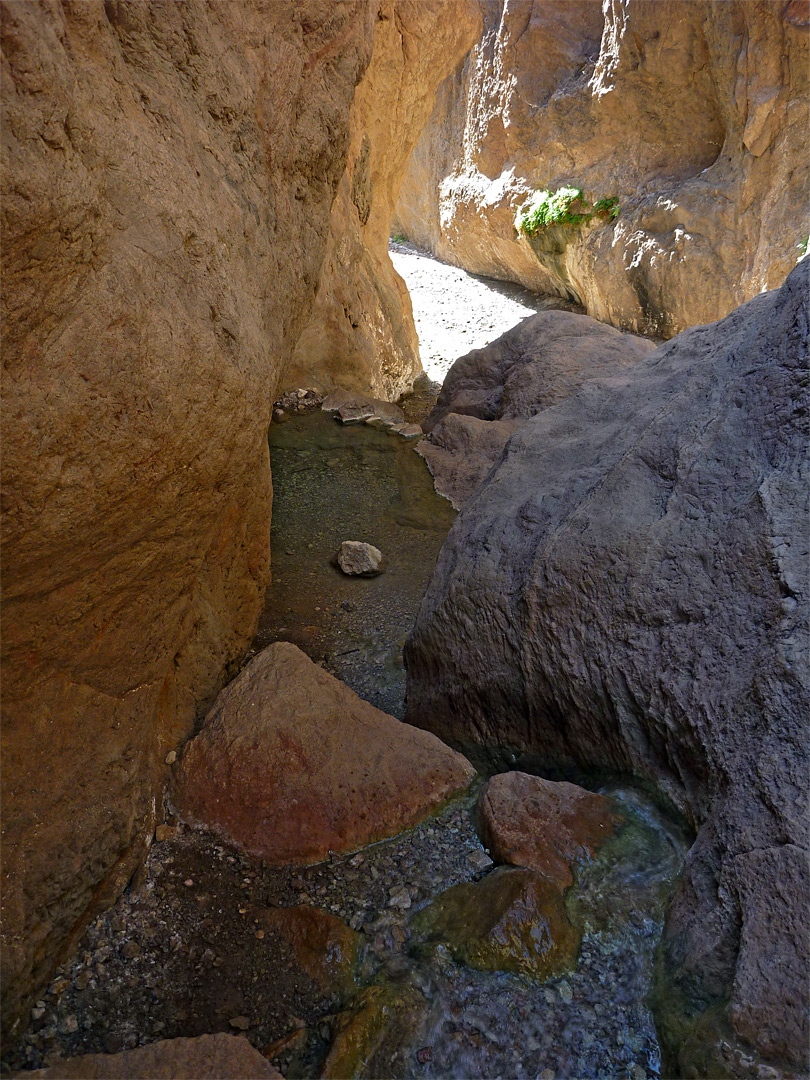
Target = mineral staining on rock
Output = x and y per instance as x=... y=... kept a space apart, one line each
x=544 y=826
x=291 y=764
x=358 y=559
x=513 y=920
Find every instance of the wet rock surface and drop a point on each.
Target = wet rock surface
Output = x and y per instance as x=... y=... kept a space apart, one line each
x=513 y=921
x=291 y=764
x=548 y=827
x=201 y=943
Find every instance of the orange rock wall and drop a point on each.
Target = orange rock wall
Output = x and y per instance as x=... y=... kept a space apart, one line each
x=361 y=334
x=168 y=176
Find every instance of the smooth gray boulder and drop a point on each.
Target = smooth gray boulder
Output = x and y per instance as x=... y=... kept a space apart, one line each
x=628 y=589
x=489 y=393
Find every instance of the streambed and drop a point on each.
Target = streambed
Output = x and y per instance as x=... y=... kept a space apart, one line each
x=180 y=953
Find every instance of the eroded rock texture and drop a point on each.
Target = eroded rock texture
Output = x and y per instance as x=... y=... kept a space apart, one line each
x=490 y=393
x=695 y=115
x=628 y=589
x=361 y=334
x=169 y=171
x=291 y=764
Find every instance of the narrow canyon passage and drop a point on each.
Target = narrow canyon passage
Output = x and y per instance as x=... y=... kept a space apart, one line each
x=372 y=718
x=455 y=311
x=195 y=945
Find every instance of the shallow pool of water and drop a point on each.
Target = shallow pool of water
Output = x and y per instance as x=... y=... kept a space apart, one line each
x=334 y=482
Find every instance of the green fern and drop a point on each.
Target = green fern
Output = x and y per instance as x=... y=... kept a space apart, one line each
x=565 y=206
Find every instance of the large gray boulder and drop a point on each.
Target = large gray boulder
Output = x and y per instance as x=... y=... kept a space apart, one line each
x=629 y=589
x=489 y=393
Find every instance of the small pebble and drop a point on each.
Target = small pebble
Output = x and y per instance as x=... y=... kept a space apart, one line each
x=188 y=882
x=566 y=993
x=260 y=934
x=171 y=757
x=241 y=1023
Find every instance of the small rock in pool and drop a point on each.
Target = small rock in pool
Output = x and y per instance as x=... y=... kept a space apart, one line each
x=359 y=559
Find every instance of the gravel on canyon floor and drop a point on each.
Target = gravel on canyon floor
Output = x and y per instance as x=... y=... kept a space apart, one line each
x=455 y=311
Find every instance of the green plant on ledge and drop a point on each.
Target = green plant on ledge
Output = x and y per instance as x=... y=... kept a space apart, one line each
x=608 y=207
x=565 y=206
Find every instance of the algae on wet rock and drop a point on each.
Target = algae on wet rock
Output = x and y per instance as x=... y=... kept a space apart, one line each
x=513 y=921
x=370 y=1035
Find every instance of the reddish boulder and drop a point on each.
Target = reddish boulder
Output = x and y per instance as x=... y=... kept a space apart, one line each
x=209 y=1057
x=322 y=944
x=548 y=827
x=291 y=764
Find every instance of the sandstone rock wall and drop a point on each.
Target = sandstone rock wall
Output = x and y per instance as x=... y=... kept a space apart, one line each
x=628 y=589
x=361 y=334
x=169 y=171
x=695 y=115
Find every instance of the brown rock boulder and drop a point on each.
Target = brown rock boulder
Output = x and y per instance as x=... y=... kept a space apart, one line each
x=490 y=393
x=168 y=175
x=361 y=334
x=291 y=764
x=512 y=920
x=322 y=945
x=208 y=1057
x=541 y=825
x=693 y=115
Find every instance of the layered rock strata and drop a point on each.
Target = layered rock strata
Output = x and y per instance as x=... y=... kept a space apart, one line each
x=694 y=116
x=628 y=590
x=169 y=171
x=361 y=334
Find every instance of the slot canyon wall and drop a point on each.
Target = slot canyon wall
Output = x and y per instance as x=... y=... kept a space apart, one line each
x=693 y=114
x=361 y=334
x=169 y=174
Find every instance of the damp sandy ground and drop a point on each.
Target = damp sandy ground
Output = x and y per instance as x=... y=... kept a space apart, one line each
x=455 y=311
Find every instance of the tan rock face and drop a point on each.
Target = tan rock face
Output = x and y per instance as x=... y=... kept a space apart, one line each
x=209 y=1057
x=168 y=177
x=291 y=764
x=547 y=827
x=361 y=334
x=694 y=115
